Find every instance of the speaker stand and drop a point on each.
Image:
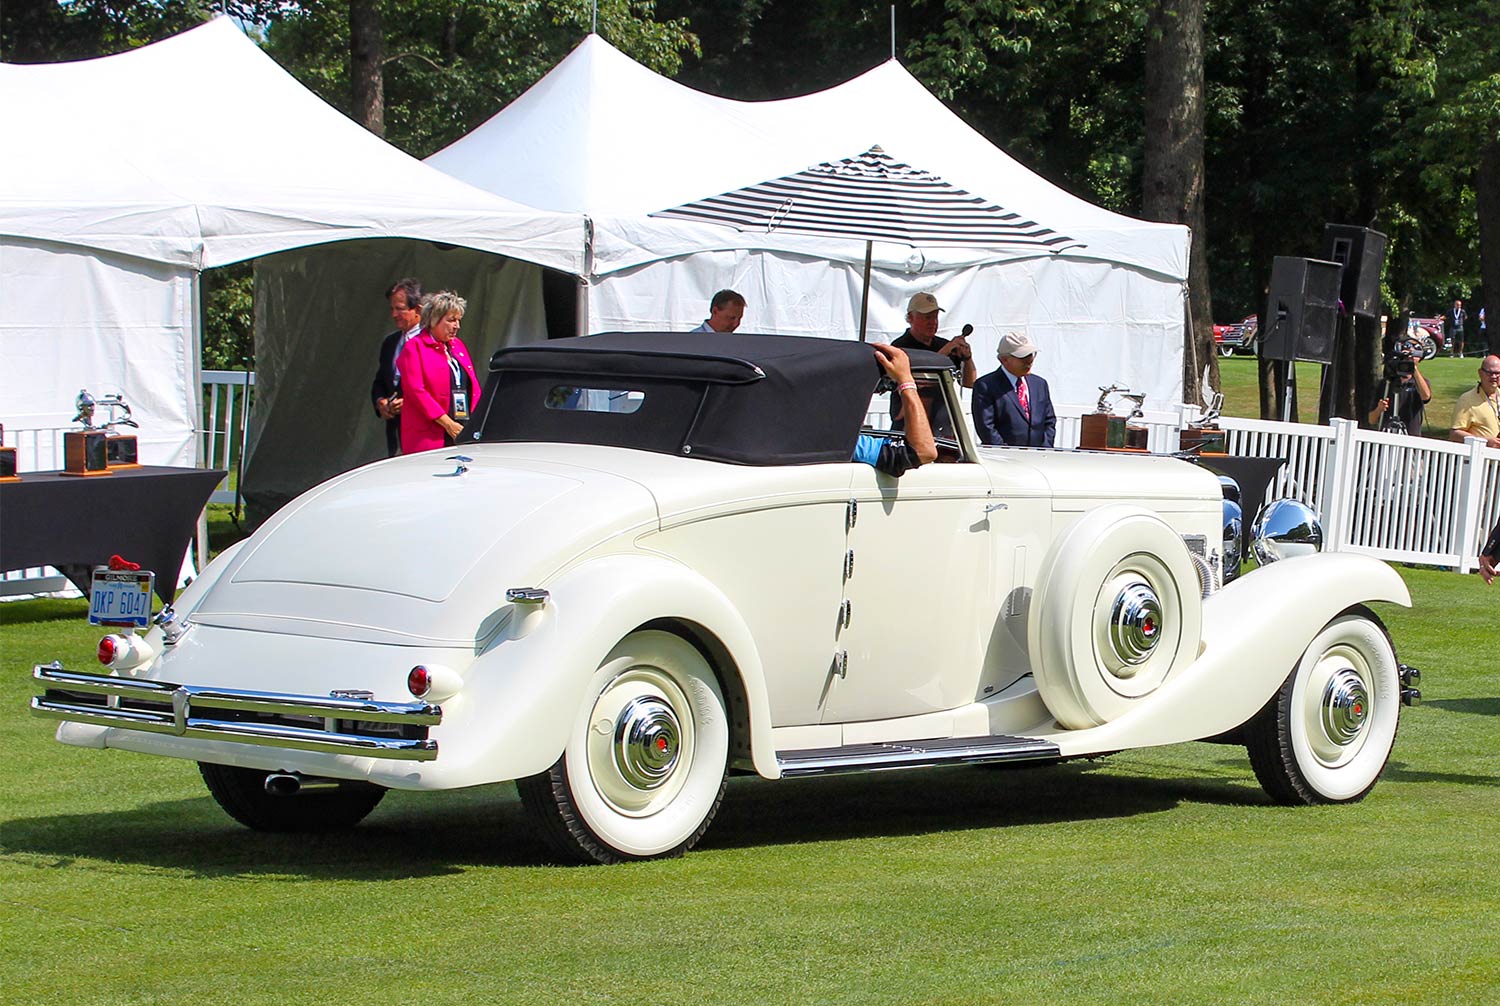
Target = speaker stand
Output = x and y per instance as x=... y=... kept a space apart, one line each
x=1288 y=389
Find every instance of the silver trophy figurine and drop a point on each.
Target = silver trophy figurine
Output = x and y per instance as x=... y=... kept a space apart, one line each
x=1105 y=391
x=85 y=405
x=115 y=404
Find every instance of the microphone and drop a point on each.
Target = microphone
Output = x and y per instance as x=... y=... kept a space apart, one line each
x=968 y=330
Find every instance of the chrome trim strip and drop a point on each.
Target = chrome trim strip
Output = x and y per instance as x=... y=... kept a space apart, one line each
x=911 y=755
x=183 y=699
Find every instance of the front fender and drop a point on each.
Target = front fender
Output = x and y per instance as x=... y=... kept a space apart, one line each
x=1254 y=632
x=522 y=694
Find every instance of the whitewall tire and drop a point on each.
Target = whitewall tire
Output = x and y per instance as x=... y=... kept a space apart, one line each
x=1117 y=610
x=646 y=760
x=1326 y=735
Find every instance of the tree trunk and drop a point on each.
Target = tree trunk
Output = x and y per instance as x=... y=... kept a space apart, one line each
x=366 y=65
x=1487 y=200
x=1172 y=175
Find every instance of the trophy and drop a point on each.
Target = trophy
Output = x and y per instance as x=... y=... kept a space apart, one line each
x=1202 y=435
x=7 y=460
x=95 y=449
x=122 y=450
x=1102 y=430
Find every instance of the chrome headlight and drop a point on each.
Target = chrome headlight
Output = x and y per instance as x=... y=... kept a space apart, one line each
x=1285 y=529
x=1230 y=488
x=1234 y=528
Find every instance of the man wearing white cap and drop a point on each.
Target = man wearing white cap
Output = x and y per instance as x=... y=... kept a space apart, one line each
x=1013 y=406
x=921 y=333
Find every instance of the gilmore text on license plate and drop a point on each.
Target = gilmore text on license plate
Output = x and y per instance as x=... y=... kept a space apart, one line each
x=121 y=597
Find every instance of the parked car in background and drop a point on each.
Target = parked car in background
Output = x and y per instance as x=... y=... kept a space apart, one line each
x=1427 y=333
x=1238 y=337
x=651 y=562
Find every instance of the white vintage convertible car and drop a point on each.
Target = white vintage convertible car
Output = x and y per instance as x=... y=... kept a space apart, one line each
x=651 y=563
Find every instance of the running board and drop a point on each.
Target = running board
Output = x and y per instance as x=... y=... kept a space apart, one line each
x=914 y=754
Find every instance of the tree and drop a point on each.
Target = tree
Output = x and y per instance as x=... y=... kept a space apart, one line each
x=367 y=65
x=441 y=67
x=48 y=31
x=1173 y=175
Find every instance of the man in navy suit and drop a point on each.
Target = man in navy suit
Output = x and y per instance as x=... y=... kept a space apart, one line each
x=405 y=299
x=1012 y=405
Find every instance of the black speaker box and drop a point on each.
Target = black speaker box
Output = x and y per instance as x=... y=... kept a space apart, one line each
x=1361 y=252
x=1302 y=310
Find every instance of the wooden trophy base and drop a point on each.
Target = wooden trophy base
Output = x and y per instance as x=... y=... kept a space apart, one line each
x=8 y=465
x=122 y=451
x=1206 y=440
x=85 y=453
x=1100 y=432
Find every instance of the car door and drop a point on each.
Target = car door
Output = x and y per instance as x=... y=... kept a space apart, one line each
x=917 y=596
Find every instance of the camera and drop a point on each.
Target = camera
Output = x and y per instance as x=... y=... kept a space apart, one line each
x=1401 y=361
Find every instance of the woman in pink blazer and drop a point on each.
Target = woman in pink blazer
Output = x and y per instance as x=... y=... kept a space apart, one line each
x=437 y=377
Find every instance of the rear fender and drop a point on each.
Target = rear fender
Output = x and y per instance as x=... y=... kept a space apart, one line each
x=522 y=694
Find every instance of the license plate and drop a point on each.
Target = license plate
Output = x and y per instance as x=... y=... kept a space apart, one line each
x=121 y=597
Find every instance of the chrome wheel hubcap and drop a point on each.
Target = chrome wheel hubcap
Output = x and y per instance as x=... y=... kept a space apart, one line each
x=1345 y=707
x=1134 y=625
x=648 y=739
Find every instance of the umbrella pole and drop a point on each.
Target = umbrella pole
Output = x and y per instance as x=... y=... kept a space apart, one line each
x=864 y=298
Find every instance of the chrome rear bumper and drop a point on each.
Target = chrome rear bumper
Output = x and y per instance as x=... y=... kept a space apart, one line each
x=269 y=719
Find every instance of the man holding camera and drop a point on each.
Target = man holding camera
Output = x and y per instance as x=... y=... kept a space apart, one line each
x=1406 y=393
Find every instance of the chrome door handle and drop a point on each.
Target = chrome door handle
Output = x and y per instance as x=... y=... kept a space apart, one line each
x=991 y=508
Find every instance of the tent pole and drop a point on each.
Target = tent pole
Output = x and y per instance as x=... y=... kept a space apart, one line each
x=864 y=297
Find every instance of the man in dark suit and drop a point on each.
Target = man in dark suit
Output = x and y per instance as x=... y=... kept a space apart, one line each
x=405 y=299
x=1013 y=406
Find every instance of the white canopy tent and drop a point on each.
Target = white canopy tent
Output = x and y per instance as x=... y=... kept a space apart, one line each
x=131 y=173
x=604 y=136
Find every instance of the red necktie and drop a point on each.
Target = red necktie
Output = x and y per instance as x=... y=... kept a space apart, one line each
x=1022 y=397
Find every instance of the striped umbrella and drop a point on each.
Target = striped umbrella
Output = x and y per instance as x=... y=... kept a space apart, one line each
x=871 y=197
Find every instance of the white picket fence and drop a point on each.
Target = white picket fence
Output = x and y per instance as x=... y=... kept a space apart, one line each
x=226 y=393
x=1395 y=497
x=1398 y=498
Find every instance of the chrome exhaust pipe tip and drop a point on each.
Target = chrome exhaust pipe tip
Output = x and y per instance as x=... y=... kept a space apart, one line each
x=283 y=784
x=1411 y=696
x=297 y=784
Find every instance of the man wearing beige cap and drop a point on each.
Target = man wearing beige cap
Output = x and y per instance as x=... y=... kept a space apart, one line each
x=921 y=333
x=1013 y=406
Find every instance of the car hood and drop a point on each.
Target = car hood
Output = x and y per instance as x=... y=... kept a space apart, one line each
x=1081 y=480
x=409 y=546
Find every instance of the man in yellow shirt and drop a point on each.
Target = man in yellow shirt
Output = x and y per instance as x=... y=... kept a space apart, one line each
x=1478 y=411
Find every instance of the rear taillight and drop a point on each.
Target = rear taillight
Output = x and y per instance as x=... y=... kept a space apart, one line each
x=108 y=647
x=433 y=682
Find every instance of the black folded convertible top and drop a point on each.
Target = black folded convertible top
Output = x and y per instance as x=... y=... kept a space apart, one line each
x=748 y=399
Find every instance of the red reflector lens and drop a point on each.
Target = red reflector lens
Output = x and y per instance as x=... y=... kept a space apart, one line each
x=419 y=682
x=107 y=650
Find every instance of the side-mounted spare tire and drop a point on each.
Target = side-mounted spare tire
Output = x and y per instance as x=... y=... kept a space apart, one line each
x=1117 y=609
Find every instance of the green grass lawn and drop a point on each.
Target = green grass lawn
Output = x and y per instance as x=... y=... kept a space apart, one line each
x=1447 y=376
x=1150 y=877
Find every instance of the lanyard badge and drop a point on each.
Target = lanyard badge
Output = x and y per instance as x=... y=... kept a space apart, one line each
x=460 y=393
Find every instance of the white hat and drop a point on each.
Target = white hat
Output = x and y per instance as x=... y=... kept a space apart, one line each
x=922 y=303
x=1015 y=344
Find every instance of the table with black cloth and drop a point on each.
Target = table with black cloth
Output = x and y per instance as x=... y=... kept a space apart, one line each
x=146 y=515
x=1254 y=476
